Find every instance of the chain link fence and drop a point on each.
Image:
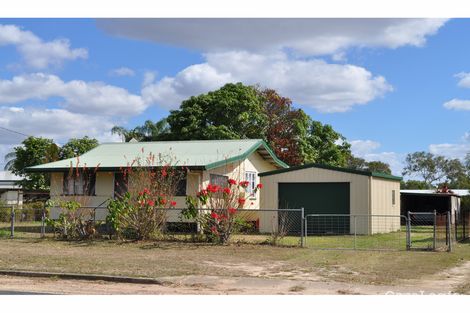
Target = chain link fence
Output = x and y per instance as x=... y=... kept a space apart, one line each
x=416 y=231
x=358 y=232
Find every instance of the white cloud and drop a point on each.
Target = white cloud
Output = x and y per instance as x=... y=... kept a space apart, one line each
x=464 y=79
x=37 y=53
x=452 y=150
x=80 y=96
x=315 y=83
x=314 y=36
x=363 y=147
x=366 y=149
x=457 y=104
x=57 y=124
x=122 y=71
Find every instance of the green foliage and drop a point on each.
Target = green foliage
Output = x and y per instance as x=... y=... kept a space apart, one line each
x=74 y=222
x=236 y=111
x=77 y=146
x=232 y=112
x=413 y=184
x=378 y=166
x=323 y=145
x=34 y=151
x=435 y=169
x=150 y=131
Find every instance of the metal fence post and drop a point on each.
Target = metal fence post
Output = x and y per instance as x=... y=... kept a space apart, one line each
x=355 y=233
x=449 y=231
x=408 y=231
x=43 y=222
x=434 y=231
x=12 y=225
x=302 y=230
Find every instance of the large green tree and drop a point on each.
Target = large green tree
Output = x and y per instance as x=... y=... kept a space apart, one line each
x=372 y=166
x=34 y=151
x=326 y=146
x=77 y=146
x=234 y=111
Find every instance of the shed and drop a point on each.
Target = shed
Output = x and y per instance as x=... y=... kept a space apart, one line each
x=322 y=189
x=10 y=192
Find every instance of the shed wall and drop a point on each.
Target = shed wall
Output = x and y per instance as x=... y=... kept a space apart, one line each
x=382 y=204
x=359 y=192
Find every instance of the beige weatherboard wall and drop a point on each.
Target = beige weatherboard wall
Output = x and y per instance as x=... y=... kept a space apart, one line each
x=370 y=194
x=231 y=158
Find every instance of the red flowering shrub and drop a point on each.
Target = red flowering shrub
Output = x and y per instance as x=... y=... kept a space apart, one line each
x=223 y=203
x=150 y=187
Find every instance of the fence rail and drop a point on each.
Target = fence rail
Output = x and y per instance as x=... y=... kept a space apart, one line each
x=416 y=231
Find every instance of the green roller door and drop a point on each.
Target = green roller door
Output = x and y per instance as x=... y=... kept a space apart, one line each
x=317 y=198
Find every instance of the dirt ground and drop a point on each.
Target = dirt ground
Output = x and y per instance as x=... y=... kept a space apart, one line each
x=446 y=282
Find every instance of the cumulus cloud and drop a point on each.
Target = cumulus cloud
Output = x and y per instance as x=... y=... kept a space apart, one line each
x=79 y=96
x=58 y=124
x=452 y=150
x=122 y=71
x=37 y=53
x=464 y=79
x=315 y=83
x=458 y=104
x=366 y=149
x=304 y=36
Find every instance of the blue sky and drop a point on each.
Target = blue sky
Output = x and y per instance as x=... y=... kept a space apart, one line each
x=383 y=84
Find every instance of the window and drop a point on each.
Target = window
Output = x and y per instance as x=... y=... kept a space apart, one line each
x=120 y=185
x=393 y=197
x=250 y=177
x=219 y=180
x=181 y=187
x=79 y=184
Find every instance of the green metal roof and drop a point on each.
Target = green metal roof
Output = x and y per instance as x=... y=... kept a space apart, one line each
x=205 y=154
x=333 y=168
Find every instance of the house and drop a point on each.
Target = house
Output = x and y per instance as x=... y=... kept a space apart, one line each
x=207 y=161
x=367 y=202
x=10 y=192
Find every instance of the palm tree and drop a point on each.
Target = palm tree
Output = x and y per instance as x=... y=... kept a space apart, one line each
x=150 y=131
x=10 y=160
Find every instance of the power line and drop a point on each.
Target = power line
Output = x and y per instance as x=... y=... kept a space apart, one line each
x=14 y=131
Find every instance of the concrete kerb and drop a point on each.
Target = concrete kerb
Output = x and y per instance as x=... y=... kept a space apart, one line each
x=91 y=277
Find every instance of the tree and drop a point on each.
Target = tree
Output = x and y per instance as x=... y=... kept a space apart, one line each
x=378 y=166
x=34 y=151
x=356 y=163
x=77 y=146
x=287 y=128
x=326 y=146
x=432 y=168
x=413 y=184
x=232 y=112
x=150 y=131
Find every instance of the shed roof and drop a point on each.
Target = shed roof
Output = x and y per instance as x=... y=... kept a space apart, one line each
x=333 y=168
x=433 y=192
x=204 y=154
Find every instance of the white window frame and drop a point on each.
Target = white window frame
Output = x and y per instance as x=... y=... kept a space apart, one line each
x=250 y=177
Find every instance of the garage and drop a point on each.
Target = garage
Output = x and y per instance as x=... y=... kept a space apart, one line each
x=341 y=193
x=317 y=198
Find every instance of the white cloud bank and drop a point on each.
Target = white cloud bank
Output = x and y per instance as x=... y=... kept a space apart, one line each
x=57 y=124
x=313 y=36
x=452 y=150
x=80 y=96
x=458 y=104
x=314 y=83
x=37 y=53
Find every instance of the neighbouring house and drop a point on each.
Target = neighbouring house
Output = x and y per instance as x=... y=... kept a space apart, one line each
x=207 y=161
x=367 y=202
x=10 y=192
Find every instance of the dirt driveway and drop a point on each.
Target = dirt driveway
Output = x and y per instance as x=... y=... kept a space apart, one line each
x=450 y=281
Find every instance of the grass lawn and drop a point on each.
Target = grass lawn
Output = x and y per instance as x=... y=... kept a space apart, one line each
x=160 y=259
